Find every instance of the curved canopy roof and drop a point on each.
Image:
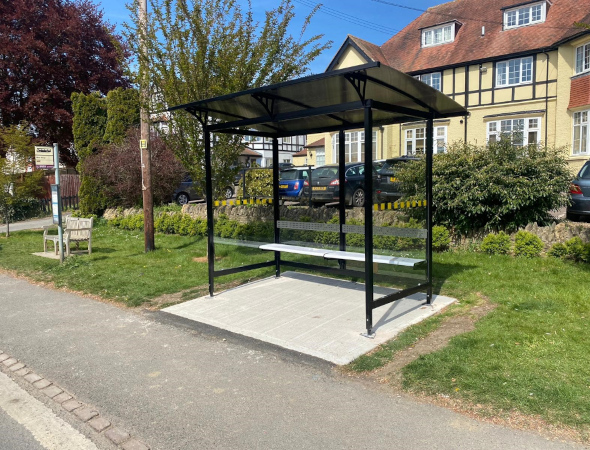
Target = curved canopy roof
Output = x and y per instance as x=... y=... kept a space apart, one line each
x=329 y=101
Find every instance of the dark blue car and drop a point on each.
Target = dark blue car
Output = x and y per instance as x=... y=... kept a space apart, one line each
x=580 y=194
x=291 y=181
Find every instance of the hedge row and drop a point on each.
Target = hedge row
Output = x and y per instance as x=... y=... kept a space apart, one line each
x=185 y=225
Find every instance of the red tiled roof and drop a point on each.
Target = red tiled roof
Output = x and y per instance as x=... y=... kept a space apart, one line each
x=301 y=153
x=580 y=92
x=371 y=50
x=404 y=52
x=320 y=143
x=249 y=152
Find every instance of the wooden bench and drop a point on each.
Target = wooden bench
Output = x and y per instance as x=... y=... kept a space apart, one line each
x=77 y=230
x=350 y=256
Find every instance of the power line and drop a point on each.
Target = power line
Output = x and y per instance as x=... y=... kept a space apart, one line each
x=348 y=18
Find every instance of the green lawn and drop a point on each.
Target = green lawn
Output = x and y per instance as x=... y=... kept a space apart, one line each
x=120 y=270
x=531 y=353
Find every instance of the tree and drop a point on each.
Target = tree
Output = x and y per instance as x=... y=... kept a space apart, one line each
x=205 y=48
x=16 y=184
x=48 y=50
x=122 y=114
x=117 y=169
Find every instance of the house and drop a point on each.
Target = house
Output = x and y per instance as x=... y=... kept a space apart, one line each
x=522 y=69
x=288 y=146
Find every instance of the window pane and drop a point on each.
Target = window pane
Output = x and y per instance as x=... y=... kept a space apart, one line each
x=409 y=134
x=501 y=74
x=420 y=145
x=579 y=59
x=511 y=18
x=492 y=126
x=447 y=31
x=409 y=148
x=527 y=70
x=533 y=137
x=577 y=117
x=492 y=138
x=587 y=57
x=584 y=140
x=523 y=16
x=428 y=37
x=533 y=123
x=420 y=133
x=514 y=71
x=436 y=81
x=576 y=148
x=438 y=36
x=536 y=13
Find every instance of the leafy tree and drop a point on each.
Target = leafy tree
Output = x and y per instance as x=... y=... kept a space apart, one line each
x=498 y=187
x=122 y=114
x=16 y=184
x=204 y=48
x=48 y=50
x=116 y=168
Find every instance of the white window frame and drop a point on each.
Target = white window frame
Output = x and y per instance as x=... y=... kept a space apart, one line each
x=497 y=129
x=441 y=34
x=354 y=145
x=582 y=63
x=433 y=79
x=320 y=156
x=525 y=71
x=412 y=136
x=581 y=143
x=522 y=16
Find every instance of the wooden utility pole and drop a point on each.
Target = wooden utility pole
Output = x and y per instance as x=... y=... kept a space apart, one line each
x=146 y=157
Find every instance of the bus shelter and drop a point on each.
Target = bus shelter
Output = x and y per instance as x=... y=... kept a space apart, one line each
x=362 y=97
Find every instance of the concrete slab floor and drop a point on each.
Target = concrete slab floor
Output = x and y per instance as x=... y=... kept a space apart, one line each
x=318 y=316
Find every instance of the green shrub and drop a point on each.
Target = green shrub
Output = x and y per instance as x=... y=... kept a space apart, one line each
x=495 y=187
x=496 y=244
x=258 y=184
x=527 y=244
x=577 y=250
x=557 y=250
x=441 y=238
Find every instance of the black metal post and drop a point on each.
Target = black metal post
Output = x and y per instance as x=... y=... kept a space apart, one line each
x=429 y=151
x=342 y=190
x=275 y=202
x=209 y=199
x=369 y=218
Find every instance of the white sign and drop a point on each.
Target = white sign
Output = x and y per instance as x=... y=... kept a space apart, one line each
x=44 y=157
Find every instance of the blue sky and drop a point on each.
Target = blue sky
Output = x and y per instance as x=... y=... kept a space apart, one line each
x=371 y=20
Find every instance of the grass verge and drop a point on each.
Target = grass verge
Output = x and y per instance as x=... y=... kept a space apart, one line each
x=120 y=270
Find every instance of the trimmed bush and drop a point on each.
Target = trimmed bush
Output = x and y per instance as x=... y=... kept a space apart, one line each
x=441 y=239
x=577 y=250
x=527 y=244
x=494 y=187
x=258 y=183
x=496 y=244
x=557 y=250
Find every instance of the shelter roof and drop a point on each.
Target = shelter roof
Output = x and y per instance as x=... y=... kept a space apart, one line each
x=328 y=101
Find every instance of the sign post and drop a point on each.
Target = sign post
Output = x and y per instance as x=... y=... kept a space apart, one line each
x=56 y=203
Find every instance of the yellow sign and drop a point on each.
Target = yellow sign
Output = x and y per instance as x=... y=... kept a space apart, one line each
x=44 y=157
x=143 y=143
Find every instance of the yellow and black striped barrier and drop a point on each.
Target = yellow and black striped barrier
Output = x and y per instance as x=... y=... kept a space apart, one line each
x=258 y=201
x=399 y=205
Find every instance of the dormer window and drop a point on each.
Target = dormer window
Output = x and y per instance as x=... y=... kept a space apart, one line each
x=441 y=34
x=523 y=15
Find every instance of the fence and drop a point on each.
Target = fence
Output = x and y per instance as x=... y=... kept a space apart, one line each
x=69 y=202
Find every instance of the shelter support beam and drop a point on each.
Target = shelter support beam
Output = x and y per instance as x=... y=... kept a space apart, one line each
x=369 y=218
x=429 y=151
x=275 y=203
x=342 y=191
x=210 y=225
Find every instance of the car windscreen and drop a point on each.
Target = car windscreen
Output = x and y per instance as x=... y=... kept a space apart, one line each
x=389 y=168
x=585 y=172
x=287 y=175
x=325 y=172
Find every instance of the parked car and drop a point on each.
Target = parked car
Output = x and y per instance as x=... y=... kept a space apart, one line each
x=387 y=187
x=189 y=190
x=580 y=194
x=325 y=184
x=291 y=181
x=284 y=165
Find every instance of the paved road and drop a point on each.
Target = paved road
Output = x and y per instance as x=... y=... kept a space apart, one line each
x=28 y=224
x=180 y=387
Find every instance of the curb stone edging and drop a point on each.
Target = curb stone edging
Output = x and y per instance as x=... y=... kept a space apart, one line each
x=86 y=413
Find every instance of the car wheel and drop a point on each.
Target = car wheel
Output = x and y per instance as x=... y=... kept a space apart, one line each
x=182 y=198
x=228 y=193
x=358 y=198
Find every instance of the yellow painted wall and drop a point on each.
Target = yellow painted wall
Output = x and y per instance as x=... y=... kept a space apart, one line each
x=350 y=58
